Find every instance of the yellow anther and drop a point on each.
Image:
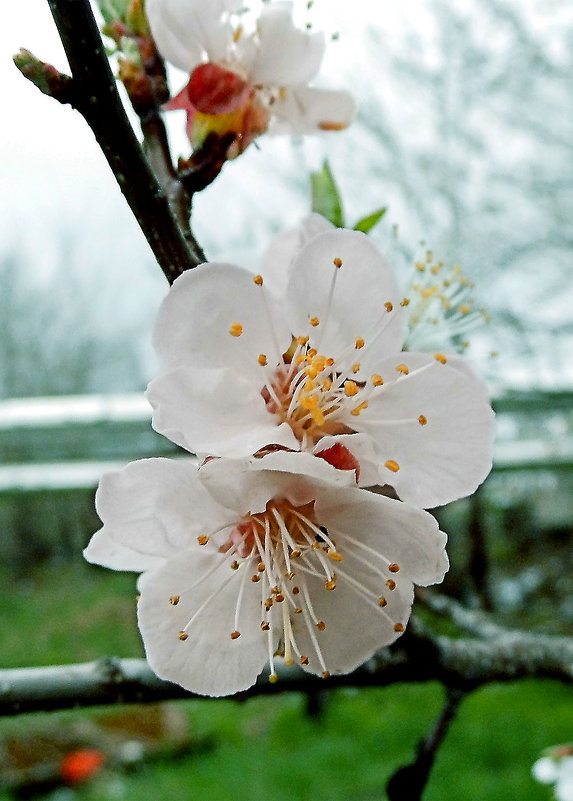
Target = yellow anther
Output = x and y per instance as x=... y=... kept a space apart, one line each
x=350 y=388
x=279 y=597
x=330 y=584
x=377 y=380
x=182 y=636
x=314 y=321
x=359 y=409
x=297 y=610
x=262 y=359
x=304 y=660
x=309 y=401
x=295 y=590
x=465 y=308
x=382 y=601
x=329 y=362
x=302 y=340
x=283 y=92
x=429 y=291
x=255 y=578
x=237 y=34
x=422 y=419
x=392 y=465
x=405 y=302
x=265 y=625
x=398 y=627
x=261 y=567
x=174 y=600
x=356 y=367
x=235 y=635
x=388 y=306
x=359 y=343
x=317 y=416
x=258 y=279
x=309 y=384
x=325 y=674
x=295 y=554
x=321 y=625
x=391 y=584
x=300 y=358
x=289 y=576
x=394 y=568
x=273 y=678
x=334 y=555
x=312 y=351
x=326 y=384
x=429 y=256
x=203 y=539
x=236 y=330
x=337 y=262
x=289 y=662
x=234 y=565
x=439 y=357
x=420 y=266
x=402 y=368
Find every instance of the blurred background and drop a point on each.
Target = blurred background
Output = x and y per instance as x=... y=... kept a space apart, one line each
x=465 y=133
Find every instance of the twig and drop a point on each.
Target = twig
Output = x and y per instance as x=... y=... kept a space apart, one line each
x=420 y=656
x=94 y=95
x=408 y=783
x=472 y=621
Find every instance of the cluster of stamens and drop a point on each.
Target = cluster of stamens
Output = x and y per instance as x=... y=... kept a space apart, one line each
x=282 y=550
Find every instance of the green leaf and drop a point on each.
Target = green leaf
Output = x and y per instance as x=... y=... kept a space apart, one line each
x=326 y=197
x=366 y=224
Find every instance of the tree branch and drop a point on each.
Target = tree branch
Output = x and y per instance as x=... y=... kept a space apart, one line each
x=420 y=656
x=96 y=97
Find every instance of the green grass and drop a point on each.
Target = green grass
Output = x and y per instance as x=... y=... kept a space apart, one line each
x=269 y=748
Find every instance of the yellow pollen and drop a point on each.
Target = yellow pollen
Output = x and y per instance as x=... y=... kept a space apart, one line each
x=388 y=306
x=312 y=352
x=350 y=388
x=382 y=601
x=359 y=343
x=265 y=625
x=334 y=555
x=326 y=384
x=402 y=368
x=255 y=578
x=439 y=357
x=236 y=330
x=337 y=262
x=297 y=610
x=422 y=419
x=398 y=627
x=405 y=302
x=182 y=636
x=295 y=554
x=325 y=674
x=356 y=367
x=261 y=567
x=391 y=584
x=283 y=92
x=302 y=340
x=279 y=597
x=203 y=539
x=392 y=465
x=321 y=625
x=304 y=660
x=314 y=321
x=295 y=590
x=289 y=576
x=235 y=635
x=300 y=359
x=420 y=266
x=465 y=309
x=237 y=34
x=394 y=568
x=329 y=362
x=360 y=408
x=258 y=279
x=234 y=565
x=273 y=678
x=331 y=583
x=174 y=600
x=377 y=380
x=309 y=383
x=262 y=359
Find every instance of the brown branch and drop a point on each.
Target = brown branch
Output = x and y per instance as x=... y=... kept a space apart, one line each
x=419 y=656
x=94 y=94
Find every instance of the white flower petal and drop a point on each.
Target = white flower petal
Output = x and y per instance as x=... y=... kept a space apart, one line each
x=216 y=411
x=209 y=661
x=447 y=456
x=364 y=283
x=287 y=55
x=149 y=512
x=306 y=110
x=196 y=317
x=545 y=770
x=186 y=31
x=279 y=256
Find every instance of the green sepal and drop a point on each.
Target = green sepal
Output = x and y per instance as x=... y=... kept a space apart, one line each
x=366 y=224
x=326 y=198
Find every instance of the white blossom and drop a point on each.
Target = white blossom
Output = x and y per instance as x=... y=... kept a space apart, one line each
x=308 y=356
x=245 y=81
x=242 y=560
x=557 y=768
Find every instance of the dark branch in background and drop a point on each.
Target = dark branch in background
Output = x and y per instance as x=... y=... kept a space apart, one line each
x=92 y=91
x=420 y=656
x=408 y=783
